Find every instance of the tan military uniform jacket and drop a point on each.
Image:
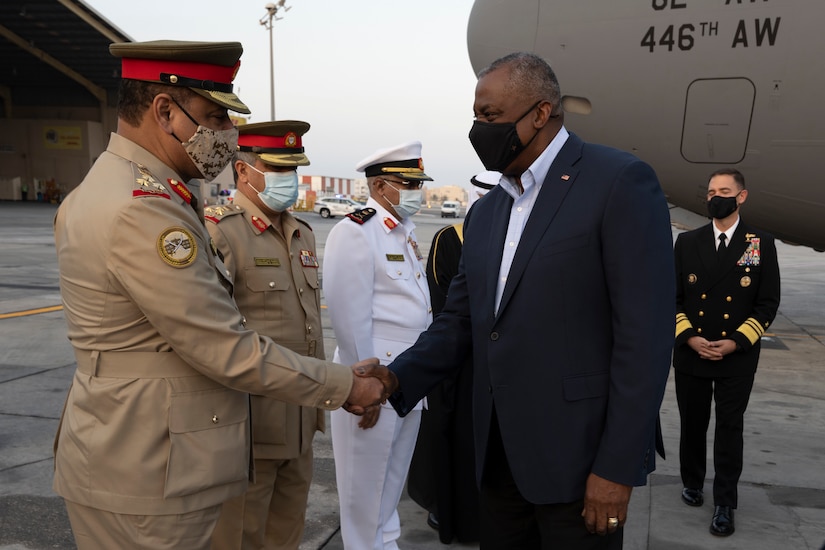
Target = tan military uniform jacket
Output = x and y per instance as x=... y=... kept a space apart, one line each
x=277 y=291
x=150 y=425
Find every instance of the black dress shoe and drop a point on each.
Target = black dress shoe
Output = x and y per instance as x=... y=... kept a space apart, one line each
x=432 y=520
x=722 y=524
x=693 y=497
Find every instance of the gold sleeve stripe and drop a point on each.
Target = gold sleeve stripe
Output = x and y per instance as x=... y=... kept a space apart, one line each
x=752 y=330
x=682 y=323
x=434 y=252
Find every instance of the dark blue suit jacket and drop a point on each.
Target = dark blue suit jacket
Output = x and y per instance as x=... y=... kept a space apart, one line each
x=577 y=357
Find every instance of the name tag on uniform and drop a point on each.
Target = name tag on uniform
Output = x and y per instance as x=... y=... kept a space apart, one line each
x=395 y=257
x=274 y=262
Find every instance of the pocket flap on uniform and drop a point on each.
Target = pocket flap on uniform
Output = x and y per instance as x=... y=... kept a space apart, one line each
x=206 y=410
x=266 y=279
x=586 y=386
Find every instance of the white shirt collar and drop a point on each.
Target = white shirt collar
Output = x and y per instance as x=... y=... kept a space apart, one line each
x=728 y=234
x=537 y=171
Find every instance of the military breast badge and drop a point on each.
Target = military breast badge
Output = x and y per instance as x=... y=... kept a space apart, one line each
x=752 y=254
x=308 y=258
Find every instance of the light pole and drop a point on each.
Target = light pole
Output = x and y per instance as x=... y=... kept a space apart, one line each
x=267 y=21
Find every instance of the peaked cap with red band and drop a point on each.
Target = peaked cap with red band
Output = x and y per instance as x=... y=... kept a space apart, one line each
x=206 y=68
x=277 y=143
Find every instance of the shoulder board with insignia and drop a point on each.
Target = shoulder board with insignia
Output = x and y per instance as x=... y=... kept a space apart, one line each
x=217 y=213
x=306 y=223
x=146 y=185
x=360 y=216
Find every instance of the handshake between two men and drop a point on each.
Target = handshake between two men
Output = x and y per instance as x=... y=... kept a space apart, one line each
x=372 y=384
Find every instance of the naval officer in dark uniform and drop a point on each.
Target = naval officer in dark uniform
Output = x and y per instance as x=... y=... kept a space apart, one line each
x=727 y=294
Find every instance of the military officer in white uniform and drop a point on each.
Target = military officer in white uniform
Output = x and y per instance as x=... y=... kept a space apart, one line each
x=376 y=289
x=271 y=256
x=155 y=433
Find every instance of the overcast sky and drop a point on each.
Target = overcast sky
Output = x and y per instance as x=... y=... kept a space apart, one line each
x=366 y=74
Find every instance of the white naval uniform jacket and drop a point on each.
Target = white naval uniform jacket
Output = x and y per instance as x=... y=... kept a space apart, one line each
x=375 y=287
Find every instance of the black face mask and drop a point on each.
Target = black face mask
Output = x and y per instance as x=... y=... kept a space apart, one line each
x=722 y=207
x=497 y=143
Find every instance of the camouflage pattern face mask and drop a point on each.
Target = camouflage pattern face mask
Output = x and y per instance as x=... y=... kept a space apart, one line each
x=211 y=150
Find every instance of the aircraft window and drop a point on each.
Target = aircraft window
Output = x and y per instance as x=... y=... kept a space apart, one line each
x=576 y=105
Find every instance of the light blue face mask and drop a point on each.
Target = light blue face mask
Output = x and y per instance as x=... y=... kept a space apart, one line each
x=280 y=189
x=409 y=202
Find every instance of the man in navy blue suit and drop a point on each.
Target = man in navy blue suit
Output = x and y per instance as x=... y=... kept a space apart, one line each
x=565 y=297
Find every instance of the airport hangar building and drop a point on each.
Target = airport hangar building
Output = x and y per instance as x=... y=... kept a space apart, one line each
x=58 y=92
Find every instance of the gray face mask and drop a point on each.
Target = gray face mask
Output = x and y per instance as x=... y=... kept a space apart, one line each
x=409 y=202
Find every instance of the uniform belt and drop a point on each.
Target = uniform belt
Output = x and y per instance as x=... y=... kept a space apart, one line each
x=386 y=331
x=132 y=364
x=306 y=348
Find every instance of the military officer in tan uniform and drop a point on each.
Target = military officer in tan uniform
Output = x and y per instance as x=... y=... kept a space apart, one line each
x=155 y=430
x=271 y=256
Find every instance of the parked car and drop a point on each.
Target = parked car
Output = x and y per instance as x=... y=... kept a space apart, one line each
x=450 y=209
x=226 y=196
x=329 y=207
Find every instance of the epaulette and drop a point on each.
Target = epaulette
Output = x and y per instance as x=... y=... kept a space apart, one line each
x=217 y=213
x=146 y=185
x=306 y=223
x=360 y=216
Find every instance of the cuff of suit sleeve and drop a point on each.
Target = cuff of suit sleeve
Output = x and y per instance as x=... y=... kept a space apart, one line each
x=336 y=388
x=399 y=404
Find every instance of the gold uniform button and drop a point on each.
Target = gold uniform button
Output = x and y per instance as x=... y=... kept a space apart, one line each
x=328 y=402
x=271 y=284
x=728 y=299
x=300 y=291
x=701 y=314
x=704 y=296
x=724 y=333
x=699 y=330
x=389 y=354
x=309 y=328
x=398 y=272
x=173 y=79
x=418 y=275
x=429 y=310
x=726 y=316
x=214 y=419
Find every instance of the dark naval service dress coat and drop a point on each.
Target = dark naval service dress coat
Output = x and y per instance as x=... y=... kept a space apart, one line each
x=734 y=297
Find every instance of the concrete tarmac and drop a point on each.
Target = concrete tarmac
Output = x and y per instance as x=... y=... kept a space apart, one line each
x=782 y=490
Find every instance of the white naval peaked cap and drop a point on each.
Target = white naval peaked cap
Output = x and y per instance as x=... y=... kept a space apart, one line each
x=402 y=160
